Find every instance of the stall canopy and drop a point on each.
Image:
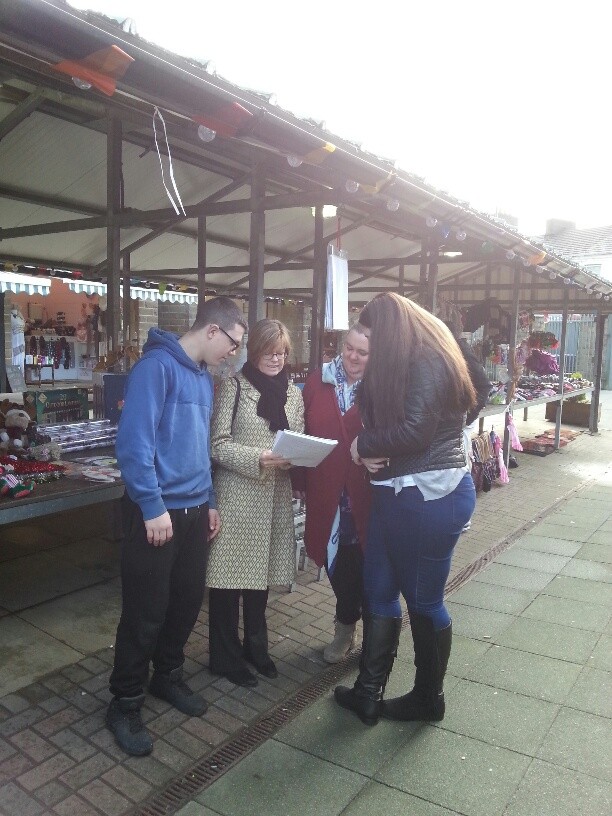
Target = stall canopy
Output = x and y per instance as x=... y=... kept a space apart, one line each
x=136 y=292
x=24 y=284
x=119 y=159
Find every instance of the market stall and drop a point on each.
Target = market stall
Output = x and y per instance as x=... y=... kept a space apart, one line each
x=245 y=215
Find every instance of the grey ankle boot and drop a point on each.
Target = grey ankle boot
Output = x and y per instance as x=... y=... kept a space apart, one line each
x=124 y=720
x=341 y=645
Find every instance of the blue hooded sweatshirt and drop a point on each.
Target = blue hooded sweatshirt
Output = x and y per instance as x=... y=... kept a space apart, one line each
x=163 y=438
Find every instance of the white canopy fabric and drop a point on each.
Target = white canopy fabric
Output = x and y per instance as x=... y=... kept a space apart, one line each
x=24 y=284
x=136 y=292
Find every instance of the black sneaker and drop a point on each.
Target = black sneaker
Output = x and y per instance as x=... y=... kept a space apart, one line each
x=124 y=720
x=171 y=688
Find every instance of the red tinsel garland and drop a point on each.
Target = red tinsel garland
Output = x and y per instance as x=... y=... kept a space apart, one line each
x=22 y=466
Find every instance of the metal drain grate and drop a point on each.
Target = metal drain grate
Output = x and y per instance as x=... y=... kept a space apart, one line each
x=200 y=776
x=208 y=770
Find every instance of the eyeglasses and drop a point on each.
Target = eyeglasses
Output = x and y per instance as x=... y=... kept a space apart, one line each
x=280 y=355
x=235 y=343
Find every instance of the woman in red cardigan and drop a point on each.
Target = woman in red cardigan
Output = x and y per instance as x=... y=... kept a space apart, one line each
x=336 y=492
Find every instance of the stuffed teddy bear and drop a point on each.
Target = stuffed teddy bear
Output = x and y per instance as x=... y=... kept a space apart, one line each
x=14 y=434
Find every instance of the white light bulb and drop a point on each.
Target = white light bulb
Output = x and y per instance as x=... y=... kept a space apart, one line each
x=539 y=270
x=293 y=161
x=526 y=262
x=206 y=134
x=352 y=186
x=598 y=295
x=510 y=254
x=461 y=235
x=82 y=84
x=606 y=297
x=552 y=275
x=567 y=281
x=430 y=221
x=393 y=204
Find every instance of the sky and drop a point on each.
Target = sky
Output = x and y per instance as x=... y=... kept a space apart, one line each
x=501 y=104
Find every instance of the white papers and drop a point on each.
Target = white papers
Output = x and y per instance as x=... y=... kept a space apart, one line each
x=336 y=293
x=301 y=449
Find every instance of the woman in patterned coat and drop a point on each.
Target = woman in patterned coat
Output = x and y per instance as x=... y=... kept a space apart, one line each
x=256 y=545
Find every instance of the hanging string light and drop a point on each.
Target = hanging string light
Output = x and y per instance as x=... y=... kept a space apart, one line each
x=294 y=161
x=351 y=186
x=430 y=221
x=206 y=134
x=510 y=254
x=460 y=235
x=392 y=204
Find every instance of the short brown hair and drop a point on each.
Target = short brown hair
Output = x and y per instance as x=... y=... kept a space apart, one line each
x=220 y=310
x=264 y=335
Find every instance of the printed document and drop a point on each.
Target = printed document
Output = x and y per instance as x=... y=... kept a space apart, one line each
x=301 y=449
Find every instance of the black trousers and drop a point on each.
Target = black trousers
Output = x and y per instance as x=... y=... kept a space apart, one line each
x=347 y=583
x=227 y=653
x=162 y=592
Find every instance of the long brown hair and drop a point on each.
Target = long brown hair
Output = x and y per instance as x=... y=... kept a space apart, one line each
x=401 y=331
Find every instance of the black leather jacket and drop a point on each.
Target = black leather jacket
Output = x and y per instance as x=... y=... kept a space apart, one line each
x=429 y=438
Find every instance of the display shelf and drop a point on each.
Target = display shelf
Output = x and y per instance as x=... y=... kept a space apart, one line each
x=502 y=407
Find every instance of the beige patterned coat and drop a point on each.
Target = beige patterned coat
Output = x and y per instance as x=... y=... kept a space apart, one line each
x=256 y=546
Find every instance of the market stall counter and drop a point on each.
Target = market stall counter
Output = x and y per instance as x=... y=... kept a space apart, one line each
x=67 y=493
x=78 y=470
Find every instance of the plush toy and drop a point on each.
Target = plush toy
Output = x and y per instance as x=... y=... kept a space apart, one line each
x=11 y=486
x=14 y=434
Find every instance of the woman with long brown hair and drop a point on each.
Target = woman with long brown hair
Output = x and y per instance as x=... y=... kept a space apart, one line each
x=414 y=395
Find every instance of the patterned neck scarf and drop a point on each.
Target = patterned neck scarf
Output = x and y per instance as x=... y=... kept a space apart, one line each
x=334 y=374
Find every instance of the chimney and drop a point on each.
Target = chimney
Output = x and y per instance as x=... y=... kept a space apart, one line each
x=555 y=226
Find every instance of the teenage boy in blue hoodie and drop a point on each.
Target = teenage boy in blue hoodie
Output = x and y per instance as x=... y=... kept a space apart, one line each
x=169 y=514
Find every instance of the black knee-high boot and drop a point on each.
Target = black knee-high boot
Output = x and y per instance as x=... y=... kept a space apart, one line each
x=431 y=653
x=381 y=636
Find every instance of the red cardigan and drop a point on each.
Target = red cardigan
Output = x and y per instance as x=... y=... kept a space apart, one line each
x=324 y=484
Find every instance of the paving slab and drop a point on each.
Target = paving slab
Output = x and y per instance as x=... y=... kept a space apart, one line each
x=549 y=639
x=548 y=545
x=529 y=674
x=499 y=717
x=532 y=560
x=489 y=596
x=515 y=577
x=382 y=799
x=592 y=551
x=580 y=589
x=259 y=784
x=591 y=570
x=567 y=612
x=581 y=742
x=456 y=772
x=548 y=789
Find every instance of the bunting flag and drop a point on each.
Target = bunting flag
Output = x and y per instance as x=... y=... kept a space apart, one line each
x=319 y=154
x=227 y=120
x=536 y=259
x=101 y=69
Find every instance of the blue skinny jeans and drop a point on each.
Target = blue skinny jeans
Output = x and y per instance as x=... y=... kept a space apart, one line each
x=409 y=549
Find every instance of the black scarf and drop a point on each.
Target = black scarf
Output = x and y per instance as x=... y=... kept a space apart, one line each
x=273 y=390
